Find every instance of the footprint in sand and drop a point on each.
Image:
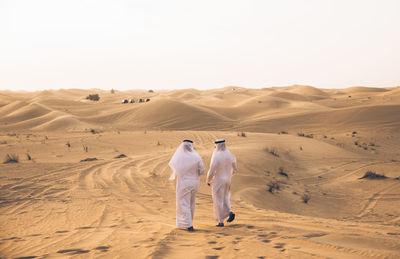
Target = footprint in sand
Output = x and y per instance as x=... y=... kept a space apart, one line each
x=73 y=251
x=279 y=245
x=84 y=228
x=102 y=248
x=62 y=231
x=26 y=257
x=218 y=248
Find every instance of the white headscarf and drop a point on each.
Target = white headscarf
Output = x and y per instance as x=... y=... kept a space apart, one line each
x=219 y=148
x=183 y=159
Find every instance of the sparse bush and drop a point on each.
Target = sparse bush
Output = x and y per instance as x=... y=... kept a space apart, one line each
x=112 y=91
x=282 y=172
x=372 y=175
x=85 y=148
x=243 y=134
x=93 y=97
x=273 y=185
x=301 y=148
x=306 y=197
x=151 y=91
x=356 y=143
x=11 y=158
x=301 y=134
x=354 y=133
x=272 y=151
x=158 y=143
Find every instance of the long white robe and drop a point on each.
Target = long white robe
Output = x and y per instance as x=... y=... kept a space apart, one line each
x=222 y=167
x=187 y=167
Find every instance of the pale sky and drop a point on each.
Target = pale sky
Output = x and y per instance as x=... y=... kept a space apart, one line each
x=164 y=44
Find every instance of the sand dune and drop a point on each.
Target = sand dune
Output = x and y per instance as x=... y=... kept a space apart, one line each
x=313 y=143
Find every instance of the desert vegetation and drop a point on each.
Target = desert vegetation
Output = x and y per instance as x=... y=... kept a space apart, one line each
x=11 y=158
x=372 y=175
x=93 y=97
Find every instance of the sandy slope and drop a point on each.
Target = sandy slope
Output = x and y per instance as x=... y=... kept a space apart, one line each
x=55 y=206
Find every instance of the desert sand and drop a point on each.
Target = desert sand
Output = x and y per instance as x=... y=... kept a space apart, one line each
x=312 y=145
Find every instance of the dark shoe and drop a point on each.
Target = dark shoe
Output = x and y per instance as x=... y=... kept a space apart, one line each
x=231 y=217
x=220 y=225
x=191 y=229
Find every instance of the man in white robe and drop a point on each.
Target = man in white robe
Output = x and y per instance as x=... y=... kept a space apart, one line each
x=186 y=166
x=222 y=167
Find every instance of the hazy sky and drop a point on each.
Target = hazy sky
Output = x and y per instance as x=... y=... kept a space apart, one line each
x=163 y=44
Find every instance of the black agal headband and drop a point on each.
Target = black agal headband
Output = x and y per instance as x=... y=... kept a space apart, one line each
x=219 y=141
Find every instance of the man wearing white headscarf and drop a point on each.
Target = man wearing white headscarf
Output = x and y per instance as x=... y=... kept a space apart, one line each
x=186 y=166
x=222 y=167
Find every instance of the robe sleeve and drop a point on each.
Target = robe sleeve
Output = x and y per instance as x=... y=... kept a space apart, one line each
x=201 y=167
x=211 y=172
x=234 y=166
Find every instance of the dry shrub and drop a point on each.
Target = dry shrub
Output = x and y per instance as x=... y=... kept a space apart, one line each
x=93 y=97
x=372 y=175
x=272 y=151
x=273 y=185
x=306 y=197
x=11 y=158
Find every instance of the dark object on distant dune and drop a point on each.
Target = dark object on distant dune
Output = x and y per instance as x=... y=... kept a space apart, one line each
x=141 y=100
x=89 y=159
x=372 y=175
x=397 y=178
x=28 y=156
x=272 y=151
x=112 y=91
x=125 y=101
x=273 y=185
x=301 y=134
x=147 y=100
x=283 y=132
x=306 y=197
x=93 y=131
x=131 y=100
x=93 y=97
x=120 y=156
x=3 y=142
x=349 y=96
x=242 y=134
x=11 y=158
x=151 y=91
x=282 y=172
x=354 y=132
